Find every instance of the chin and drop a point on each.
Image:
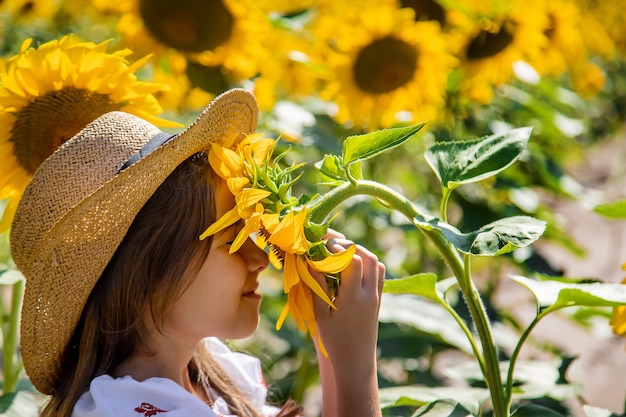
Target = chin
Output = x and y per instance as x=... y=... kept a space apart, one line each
x=243 y=329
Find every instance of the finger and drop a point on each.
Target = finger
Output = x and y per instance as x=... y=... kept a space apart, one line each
x=351 y=277
x=331 y=233
x=337 y=244
x=382 y=271
x=370 y=277
x=320 y=278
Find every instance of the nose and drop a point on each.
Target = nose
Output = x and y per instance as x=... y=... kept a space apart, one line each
x=255 y=257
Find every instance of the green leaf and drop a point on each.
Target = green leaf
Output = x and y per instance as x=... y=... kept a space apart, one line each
x=534 y=410
x=362 y=147
x=462 y=162
x=493 y=239
x=468 y=398
x=424 y=316
x=614 y=210
x=556 y=294
x=331 y=170
x=442 y=408
x=424 y=285
x=506 y=235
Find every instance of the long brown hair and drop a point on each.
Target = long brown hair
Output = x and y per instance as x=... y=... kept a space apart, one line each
x=151 y=268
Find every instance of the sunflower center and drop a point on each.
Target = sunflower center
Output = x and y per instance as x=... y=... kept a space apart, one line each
x=426 y=10
x=49 y=120
x=487 y=44
x=188 y=25
x=278 y=252
x=551 y=28
x=384 y=65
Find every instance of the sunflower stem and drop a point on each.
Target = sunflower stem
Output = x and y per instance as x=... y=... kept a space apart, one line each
x=321 y=210
x=445 y=196
x=491 y=371
x=509 y=378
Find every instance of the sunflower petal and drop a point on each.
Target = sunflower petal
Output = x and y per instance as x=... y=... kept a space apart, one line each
x=305 y=275
x=225 y=162
x=223 y=222
x=249 y=197
x=282 y=317
x=291 y=276
x=241 y=238
x=334 y=263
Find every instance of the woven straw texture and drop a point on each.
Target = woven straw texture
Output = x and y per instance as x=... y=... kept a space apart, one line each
x=77 y=209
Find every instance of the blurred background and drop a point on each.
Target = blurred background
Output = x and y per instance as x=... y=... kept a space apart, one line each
x=323 y=70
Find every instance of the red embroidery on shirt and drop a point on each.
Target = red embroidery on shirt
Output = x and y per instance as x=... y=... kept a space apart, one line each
x=149 y=410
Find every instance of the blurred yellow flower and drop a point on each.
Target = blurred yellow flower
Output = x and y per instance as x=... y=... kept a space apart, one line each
x=30 y=10
x=603 y=23
x=50 y=93
x=565 y=46
x=386 y=67
x=226 y=33
x=497 y=37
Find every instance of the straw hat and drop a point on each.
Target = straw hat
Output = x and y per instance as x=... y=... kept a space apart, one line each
x=80 y=204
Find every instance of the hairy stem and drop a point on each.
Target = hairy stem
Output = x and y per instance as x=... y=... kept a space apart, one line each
x=488 y=360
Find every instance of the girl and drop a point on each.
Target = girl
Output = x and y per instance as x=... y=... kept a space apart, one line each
x=124 y=304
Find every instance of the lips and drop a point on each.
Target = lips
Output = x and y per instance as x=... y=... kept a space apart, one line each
x=251 y=292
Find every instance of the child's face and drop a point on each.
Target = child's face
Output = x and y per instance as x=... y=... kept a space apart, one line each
x=222 y=300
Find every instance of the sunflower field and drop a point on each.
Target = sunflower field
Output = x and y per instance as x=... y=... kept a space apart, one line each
x=443 y=134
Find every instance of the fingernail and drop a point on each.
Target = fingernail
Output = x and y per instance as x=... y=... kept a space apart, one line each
x=332 y=241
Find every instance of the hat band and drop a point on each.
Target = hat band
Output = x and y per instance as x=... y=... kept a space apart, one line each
x=155 y=142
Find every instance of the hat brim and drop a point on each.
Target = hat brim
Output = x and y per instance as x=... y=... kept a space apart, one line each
x=64 y=264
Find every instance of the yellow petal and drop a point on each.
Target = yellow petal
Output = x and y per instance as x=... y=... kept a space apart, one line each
x=270 y=221
x=248 y=198
x=334 y=263
x=290 y=277
x=294 y=307
x=618 y=321
x=241 y=238
x=276 y=262
x=305 y=275
x=225 y=162
x=226 y=220
x=282 y=317
x=237 y=184
x=289 y=234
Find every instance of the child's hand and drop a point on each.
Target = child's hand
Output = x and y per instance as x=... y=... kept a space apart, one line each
x=349 y=333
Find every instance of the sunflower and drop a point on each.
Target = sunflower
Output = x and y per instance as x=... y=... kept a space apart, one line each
x=178 y=93
x=565 y=44
x=30 y=10
x=495 y=38
x=295 y=71
x=232 y=163
x=227 y=33
x=263 y=204
x=603 y=24
x=387 y=63
x=284 y=7
x=287 y=240
x=49 y=94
